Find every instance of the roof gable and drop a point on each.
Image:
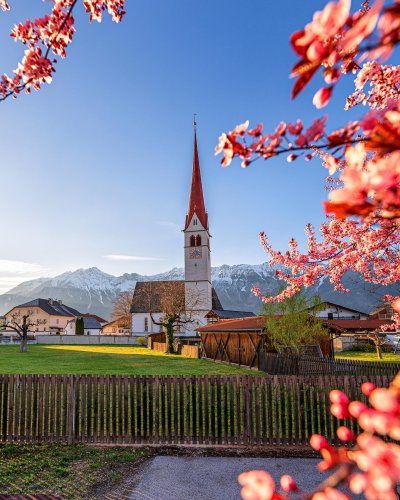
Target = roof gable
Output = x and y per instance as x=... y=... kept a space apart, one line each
x=51 y=307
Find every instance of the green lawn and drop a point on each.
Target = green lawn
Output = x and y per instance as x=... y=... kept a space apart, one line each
x=369 y=356
x=124 y=360
x=68 y=472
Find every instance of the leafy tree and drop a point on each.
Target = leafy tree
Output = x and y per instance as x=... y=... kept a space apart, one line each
x=291 y=324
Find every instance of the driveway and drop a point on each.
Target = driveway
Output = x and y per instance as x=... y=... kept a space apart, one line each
x=213 y=478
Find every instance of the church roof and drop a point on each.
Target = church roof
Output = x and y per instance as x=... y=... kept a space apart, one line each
x=224 y=314
x=196 y=200
x=148 y=295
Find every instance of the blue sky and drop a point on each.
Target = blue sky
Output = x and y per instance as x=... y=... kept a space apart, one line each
x=99 y=162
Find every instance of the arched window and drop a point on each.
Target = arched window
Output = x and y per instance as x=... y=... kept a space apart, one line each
x=192 y=241
x=146 y=324
x=198 y=240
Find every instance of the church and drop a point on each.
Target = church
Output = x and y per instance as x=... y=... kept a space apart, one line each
x=194 y=297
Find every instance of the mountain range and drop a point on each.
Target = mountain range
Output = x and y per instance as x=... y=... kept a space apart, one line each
x=92 y=290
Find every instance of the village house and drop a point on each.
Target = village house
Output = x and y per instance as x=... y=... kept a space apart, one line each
x=90 y=326
x=119 y=326
x=52 y=315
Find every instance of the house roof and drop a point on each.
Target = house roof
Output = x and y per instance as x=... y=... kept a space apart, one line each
x=341 y=306
x=52 y=307
x=97 y=318
x=142 y=303
x=357 y=324
x=224 y=314
x=88 y=323
x=248 y=324
x=196 y=200
x=119 y=323
x=257 y=324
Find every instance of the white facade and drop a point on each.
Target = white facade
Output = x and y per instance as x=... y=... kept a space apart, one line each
x=334 y=311
x=198 y=288
x=71 y=328
x=142 y=324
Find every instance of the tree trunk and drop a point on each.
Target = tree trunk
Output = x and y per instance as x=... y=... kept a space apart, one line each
x=379 y=351
x=23 y=346
x=170 y=338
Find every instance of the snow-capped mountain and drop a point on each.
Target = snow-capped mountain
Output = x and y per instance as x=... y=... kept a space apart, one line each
x=92 y=290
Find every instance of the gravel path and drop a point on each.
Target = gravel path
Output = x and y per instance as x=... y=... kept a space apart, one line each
x=212 y=478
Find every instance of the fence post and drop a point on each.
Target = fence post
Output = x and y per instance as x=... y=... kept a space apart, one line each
x=71 y=408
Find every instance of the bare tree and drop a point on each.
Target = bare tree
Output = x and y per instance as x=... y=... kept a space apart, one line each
x=122 y=308
x=176 y=307
x=21 y=323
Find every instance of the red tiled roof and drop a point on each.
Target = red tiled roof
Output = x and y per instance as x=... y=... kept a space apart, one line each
x=196 y=200
x=251 y=323
x=257 y=323
x=357 y=324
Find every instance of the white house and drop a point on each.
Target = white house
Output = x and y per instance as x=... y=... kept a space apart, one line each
x=330 y=310
x=90 y=326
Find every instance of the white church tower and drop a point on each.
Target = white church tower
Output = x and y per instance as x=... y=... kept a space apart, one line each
x=197 y=248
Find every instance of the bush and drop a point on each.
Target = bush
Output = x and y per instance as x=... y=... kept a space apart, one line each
x=141 y=340
x=362 y=347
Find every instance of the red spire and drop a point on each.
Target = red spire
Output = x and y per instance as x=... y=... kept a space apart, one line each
x=196 y=200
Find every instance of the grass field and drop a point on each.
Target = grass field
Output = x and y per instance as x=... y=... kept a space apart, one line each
x=68 y=472
x=369 y=356
x=106 y=360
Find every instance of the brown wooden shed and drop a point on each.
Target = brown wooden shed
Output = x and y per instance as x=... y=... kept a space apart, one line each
x=241 y=340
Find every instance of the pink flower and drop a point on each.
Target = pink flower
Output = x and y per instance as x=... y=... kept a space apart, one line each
x=257 y=485
x=321 y=98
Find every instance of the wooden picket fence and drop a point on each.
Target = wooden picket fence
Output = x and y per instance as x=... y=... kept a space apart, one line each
x=286 y=364
x=200 y=410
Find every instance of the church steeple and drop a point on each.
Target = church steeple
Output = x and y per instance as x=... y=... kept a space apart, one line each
x=196 y=199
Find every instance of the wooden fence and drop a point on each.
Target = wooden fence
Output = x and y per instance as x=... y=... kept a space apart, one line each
x=159 y=346
x=206 y=410
x=284 y=364
x=190 y=351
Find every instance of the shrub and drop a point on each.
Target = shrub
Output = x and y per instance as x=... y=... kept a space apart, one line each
x=362 y=347
x=141 y=340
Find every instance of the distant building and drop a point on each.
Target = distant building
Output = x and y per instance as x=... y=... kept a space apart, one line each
x=330 y=310
x=52 y=314
x=90 y=326
x=117 y=327
x=102 y=321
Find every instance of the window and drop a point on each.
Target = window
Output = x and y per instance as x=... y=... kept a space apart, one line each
x=195 y=222
x=198 y=240
x=146 y=324
x=192 y=241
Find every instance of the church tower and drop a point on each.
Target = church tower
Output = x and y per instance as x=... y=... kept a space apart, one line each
x=198 y=290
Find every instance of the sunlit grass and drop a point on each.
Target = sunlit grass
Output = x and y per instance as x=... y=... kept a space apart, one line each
x=369 y=356
x=106 y=360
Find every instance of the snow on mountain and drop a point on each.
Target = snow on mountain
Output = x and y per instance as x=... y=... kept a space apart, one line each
x=92 y=290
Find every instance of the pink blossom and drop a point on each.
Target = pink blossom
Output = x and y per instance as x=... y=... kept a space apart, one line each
x=322 y=97
x=257 y=485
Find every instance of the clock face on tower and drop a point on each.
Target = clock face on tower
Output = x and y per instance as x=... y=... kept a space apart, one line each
x=195 y=253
